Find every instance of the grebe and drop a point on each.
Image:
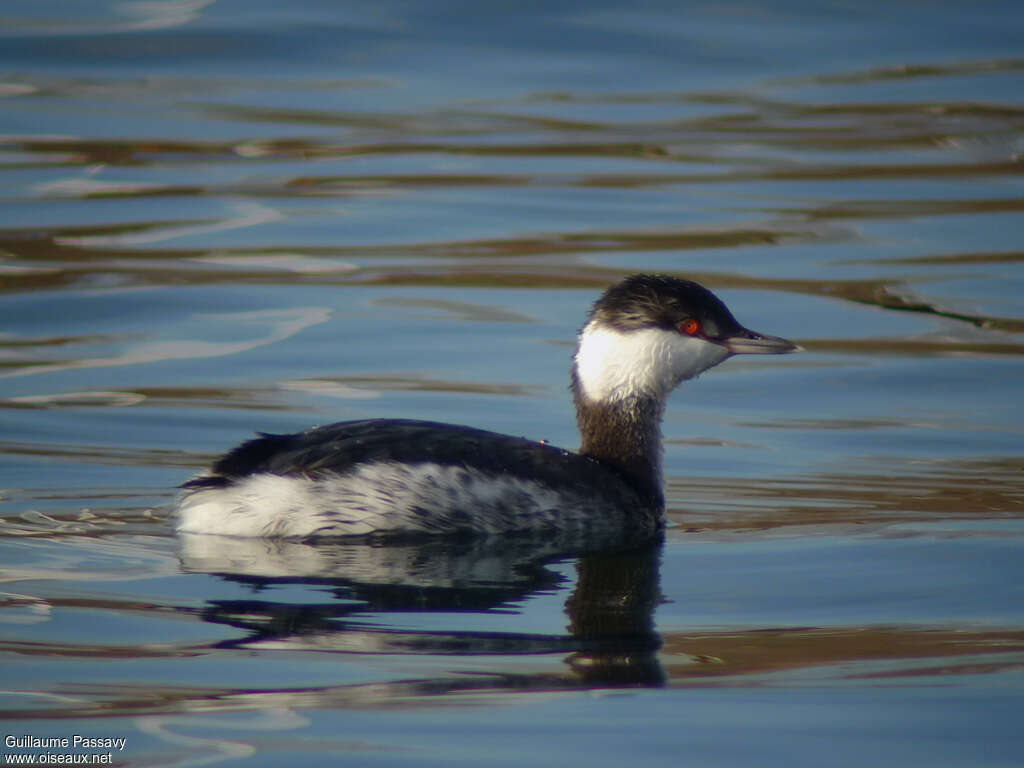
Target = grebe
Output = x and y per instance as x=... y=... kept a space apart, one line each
x=642 y=338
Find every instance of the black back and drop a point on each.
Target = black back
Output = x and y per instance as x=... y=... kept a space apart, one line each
x=335 y=449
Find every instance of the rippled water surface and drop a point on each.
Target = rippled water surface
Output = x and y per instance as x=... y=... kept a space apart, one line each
x=220 y=217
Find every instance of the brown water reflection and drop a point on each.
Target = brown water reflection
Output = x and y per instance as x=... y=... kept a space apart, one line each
x=757 y=658
x=68 y=263
x=911 y=652
x=913 y=491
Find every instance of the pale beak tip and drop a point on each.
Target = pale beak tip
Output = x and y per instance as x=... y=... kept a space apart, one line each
x=759 y=344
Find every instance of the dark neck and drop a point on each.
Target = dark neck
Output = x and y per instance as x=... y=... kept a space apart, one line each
x=626 y=435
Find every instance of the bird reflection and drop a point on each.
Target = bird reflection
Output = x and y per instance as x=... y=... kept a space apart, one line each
x=610 y=637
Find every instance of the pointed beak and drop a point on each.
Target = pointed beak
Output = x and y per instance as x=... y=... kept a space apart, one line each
x=750 y=343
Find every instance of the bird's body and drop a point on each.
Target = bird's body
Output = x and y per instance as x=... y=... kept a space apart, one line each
x=392 y=476
x=402 y=476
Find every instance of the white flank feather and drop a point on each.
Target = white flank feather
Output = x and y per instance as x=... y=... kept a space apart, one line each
x=378 y=498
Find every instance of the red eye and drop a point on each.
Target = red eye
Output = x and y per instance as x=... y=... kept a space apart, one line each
x=689 y=326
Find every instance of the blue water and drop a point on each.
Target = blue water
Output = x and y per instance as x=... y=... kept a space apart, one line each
x=223 y=217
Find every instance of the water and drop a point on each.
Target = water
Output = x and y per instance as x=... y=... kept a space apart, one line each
x=222 y=217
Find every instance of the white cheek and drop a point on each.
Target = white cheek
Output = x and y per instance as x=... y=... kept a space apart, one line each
x=611 y=365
